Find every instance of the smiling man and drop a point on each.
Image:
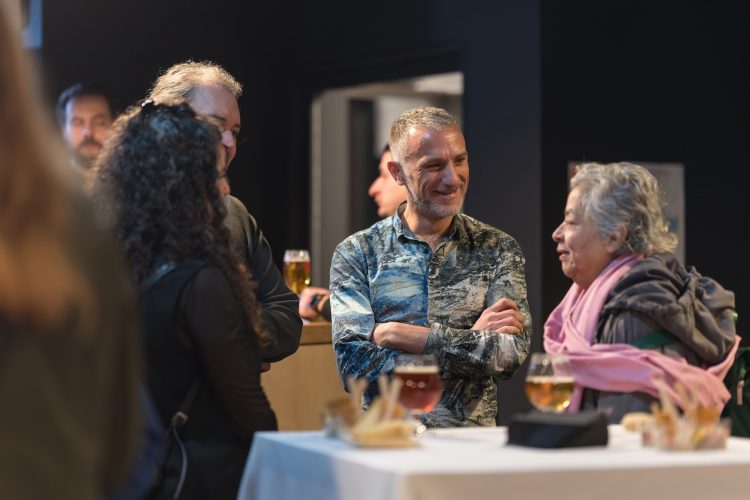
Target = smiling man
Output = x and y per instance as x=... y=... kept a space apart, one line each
x=432 y=280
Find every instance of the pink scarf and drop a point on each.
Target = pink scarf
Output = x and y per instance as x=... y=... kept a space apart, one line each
x=571 y=328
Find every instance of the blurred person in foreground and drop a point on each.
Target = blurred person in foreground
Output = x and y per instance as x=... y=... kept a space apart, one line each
x=432 y=280
x=388 y=195
x=85 y=112
x=163 y=172
x=634 y=316
x=69 y=358
x=211 y=91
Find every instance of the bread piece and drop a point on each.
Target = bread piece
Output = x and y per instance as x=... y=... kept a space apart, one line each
x=388 y=433
x=636 y=421
x=343 y=411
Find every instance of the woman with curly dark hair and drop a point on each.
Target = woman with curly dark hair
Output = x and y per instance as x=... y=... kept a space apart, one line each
x=163 y=171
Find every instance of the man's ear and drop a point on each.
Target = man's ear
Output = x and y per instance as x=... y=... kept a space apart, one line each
x=396 y=172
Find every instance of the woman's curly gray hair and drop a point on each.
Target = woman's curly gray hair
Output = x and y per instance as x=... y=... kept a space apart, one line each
x=625 y=194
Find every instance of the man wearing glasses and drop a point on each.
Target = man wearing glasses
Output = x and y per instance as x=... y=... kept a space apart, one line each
x=212 y=91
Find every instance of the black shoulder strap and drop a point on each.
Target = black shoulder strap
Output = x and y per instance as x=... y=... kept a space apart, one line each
x=181 y=415
x=158 y=274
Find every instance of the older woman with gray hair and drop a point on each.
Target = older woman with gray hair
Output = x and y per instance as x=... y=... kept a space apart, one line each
x=635 y=321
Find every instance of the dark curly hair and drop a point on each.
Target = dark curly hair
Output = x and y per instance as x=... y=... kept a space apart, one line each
x=157 y=174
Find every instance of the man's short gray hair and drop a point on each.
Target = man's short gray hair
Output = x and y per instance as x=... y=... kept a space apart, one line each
x=424 y=117
x=625 y=194
x=178 y=83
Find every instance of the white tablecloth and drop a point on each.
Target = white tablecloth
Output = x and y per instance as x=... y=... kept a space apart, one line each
x=469 y=464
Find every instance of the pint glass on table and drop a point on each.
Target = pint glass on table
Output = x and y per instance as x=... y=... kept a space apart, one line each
x=421 y=387
x=297 y=269
x=549 y=382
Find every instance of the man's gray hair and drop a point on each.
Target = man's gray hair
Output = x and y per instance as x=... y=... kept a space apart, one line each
x=178 y=83
x=424 y=117
x=625 y=194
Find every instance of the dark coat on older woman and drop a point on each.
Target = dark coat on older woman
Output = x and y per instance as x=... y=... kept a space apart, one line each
x=661 y=305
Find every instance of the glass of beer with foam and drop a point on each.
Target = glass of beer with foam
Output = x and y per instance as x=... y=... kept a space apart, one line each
x=549 y=382
x=421 y=388
x=297 y=269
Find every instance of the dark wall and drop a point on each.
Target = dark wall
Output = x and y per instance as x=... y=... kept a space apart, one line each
x=653 y=81
x=658 y=81
x=126 y=43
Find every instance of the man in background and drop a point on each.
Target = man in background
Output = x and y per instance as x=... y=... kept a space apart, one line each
x=384 y=190
x=85 y=111
x=388 y=195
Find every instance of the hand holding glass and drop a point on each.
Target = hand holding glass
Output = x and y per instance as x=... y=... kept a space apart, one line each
x=297 y=269
x=549 y=382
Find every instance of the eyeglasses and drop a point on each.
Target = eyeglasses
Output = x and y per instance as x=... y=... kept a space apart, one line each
x=149 y=106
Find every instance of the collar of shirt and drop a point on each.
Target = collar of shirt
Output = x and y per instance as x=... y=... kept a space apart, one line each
x=456 y=231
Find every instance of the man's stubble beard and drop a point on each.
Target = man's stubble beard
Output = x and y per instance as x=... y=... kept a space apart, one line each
x=83 y=160
x=433 y=208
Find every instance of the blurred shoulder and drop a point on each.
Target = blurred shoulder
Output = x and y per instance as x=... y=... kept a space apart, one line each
x=91 y=232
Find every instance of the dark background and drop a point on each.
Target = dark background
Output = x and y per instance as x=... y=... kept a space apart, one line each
x=546 y=82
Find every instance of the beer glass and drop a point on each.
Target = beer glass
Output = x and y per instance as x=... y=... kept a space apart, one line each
x=549 y=382
x=421 y=388
x=297 y=269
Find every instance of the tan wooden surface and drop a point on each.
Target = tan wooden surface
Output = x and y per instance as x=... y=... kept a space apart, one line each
x=300 y=385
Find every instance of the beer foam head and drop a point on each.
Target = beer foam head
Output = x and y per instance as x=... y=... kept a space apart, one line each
x=557 y=379
x=296 y=256
x=415 y=369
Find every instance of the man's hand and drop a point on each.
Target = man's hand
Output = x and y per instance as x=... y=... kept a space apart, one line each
x=501 y=317
x=306 y=310
x=408 y=338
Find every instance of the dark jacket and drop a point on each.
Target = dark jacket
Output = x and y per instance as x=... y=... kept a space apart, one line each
x=280 y=305
x=204 y=337
x=659 y=294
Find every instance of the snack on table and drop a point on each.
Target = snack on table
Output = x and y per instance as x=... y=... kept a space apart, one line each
x=697 y=428
x=342 y=411
x=373 y=427
x=390 y=434
x=383 y=425
x=636 y=421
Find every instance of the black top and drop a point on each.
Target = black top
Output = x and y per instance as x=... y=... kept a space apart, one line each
x=280 y=305
x=205 y=336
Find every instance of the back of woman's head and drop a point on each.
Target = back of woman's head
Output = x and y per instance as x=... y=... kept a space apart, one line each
x=39 y=284
x=158 y=170
x=158 y=174
x=625 y=194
